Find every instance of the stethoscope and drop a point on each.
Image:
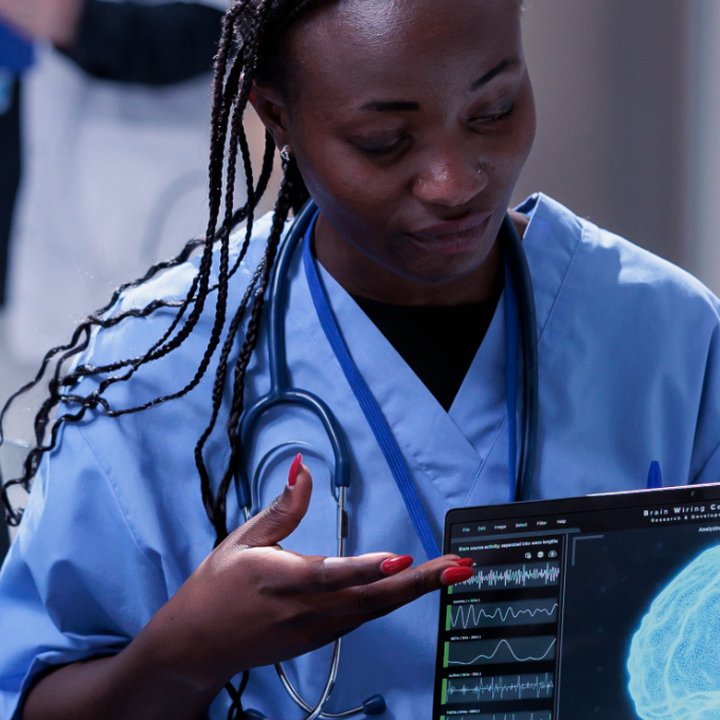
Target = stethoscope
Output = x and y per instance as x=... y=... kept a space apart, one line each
x=521 y=358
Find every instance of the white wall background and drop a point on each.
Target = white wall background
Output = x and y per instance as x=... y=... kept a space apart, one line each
x=628 y=96
x=703 y=188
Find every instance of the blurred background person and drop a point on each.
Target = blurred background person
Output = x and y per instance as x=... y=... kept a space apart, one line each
x=16 y=56
x=114 y=121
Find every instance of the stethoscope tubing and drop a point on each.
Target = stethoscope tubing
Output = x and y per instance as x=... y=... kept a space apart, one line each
x=281 y=393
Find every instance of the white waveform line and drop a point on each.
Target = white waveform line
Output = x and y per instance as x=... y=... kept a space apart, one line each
x=512 y=716
x=474 y=615
x=505 y=685
x=532 y=716
x=515 y=576
x=492 y=655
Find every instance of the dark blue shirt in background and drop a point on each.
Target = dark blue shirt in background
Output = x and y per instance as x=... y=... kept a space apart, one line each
x=16 y=56
x=16 y=52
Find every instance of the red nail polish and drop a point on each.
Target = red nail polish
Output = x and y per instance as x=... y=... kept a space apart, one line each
x=391 y=566
x=465 y=562
x=456 y=575
x=295 y=470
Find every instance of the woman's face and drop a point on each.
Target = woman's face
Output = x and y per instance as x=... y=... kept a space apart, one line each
x=410 y=121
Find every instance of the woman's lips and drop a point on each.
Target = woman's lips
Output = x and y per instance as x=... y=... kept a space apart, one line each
x=452 y=236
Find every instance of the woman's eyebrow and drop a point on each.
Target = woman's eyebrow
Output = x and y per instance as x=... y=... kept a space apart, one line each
x=390 y=106
x=410 y=106
x=501 y=67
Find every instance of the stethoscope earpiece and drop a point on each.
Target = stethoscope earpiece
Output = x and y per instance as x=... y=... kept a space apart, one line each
x=375 y=705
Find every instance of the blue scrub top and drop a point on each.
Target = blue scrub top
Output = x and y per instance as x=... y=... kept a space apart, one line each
x=629 y=370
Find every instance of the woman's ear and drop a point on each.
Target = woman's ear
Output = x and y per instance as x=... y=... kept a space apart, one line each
x=271 y=108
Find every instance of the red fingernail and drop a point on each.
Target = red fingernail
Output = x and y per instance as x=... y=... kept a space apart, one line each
x=465 y=562
x=390 y=566
x=295 y=470
x=456 y=575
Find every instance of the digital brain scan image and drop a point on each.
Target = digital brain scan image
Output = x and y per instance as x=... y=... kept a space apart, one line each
x=674 y=658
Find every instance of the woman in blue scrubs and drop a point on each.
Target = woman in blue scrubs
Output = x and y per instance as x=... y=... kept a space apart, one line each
x=134 y=588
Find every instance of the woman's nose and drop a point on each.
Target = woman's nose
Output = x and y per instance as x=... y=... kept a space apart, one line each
x=450 y=179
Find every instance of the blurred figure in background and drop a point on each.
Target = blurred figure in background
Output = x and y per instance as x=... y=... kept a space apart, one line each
x=16 y=56
x=114 y=120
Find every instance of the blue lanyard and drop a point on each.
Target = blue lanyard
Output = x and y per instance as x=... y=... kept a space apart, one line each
x=512 y=353
x=373 y=414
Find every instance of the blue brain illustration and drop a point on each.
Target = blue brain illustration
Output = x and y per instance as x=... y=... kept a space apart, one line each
x=674 y=659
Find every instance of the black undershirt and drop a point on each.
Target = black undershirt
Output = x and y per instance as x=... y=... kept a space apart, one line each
x=438 y=343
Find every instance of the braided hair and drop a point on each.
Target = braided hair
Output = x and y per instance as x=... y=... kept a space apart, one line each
x=250 y=48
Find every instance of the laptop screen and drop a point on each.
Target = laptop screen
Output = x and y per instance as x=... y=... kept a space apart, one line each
x=606 y=606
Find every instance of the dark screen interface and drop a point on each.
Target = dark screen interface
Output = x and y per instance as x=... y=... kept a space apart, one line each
x=581 y=615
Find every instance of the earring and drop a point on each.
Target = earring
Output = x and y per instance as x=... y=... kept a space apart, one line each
x=285 y=156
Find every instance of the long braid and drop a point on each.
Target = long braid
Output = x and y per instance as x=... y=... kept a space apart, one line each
x=282 y=210
x=249 y=37
x=221 y=373
x=217 y=396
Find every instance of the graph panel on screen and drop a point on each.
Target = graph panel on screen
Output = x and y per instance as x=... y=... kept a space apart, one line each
x=598 y=607
x=500 y=627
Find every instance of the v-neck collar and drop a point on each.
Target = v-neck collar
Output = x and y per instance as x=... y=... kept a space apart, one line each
x=444 y=447
x=451 y=454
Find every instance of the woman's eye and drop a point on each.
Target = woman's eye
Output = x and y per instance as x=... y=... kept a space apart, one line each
x=490 y=118
x=379 y=148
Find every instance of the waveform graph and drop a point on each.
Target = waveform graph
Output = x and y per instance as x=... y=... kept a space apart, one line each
x=507 y=614
x=542 y=715
x=500 y=650
x=534 y=686
x=525 y=575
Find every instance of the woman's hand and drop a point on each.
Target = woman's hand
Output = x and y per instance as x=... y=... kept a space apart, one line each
x=251 y=603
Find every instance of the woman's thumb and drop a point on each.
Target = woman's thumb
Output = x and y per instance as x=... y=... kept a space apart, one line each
x=283 y=515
